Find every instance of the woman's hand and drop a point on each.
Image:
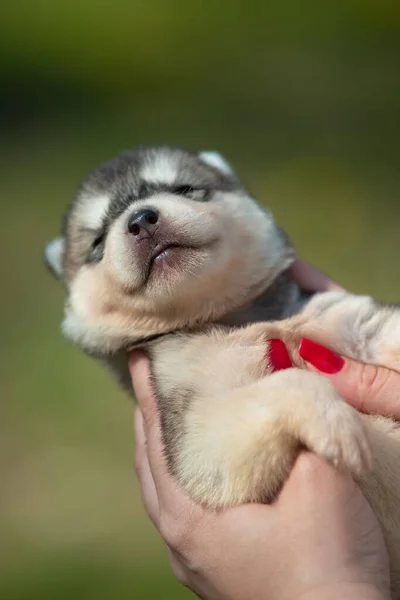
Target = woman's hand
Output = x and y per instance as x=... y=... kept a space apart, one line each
x=368 y=388
x=319 y=540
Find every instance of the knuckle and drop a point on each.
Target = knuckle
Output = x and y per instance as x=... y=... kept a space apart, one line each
x=373 y=380
x=173 y=533
x=184 y=545
x=178 y=570
x=151 y=417
x=140 y=459
x=138 y=464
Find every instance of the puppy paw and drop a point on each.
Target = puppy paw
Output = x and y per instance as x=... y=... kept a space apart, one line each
x=338 y=435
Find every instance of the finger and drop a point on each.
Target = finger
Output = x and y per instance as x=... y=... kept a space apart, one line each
x=170 y=496
x=149 y=447
x=178 y=569
x=312 y=279
x=140 y=439
x=370 y=389
x=312 y=475
x=139 y=366
x=143 y=471
x=323 y=501
x=140 y=371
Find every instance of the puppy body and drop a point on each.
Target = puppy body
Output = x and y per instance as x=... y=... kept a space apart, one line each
x=166 y=250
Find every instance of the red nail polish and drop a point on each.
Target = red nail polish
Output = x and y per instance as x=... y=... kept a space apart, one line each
x=320 y=357
x=278 y=356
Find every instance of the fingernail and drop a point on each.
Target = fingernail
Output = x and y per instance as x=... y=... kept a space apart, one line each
x=278 y=356
x=320 y=357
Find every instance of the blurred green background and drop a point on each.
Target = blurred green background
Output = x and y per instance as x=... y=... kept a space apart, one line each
x=303 y=98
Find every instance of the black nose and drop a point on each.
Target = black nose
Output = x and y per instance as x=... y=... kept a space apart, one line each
x=143 y=219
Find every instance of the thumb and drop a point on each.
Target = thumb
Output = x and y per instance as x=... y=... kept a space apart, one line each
x=139 y=367
x=370 y=389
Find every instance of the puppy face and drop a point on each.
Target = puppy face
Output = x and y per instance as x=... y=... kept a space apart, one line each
x=159 y=239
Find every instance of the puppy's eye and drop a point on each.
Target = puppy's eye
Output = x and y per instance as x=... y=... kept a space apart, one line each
x=183 y=190
x=96 y=249
x=97 y=241
x=189 y=191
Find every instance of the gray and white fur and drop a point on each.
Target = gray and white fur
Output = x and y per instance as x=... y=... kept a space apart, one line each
x=166 y=250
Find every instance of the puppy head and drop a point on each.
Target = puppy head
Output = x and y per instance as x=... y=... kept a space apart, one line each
x=159 y=239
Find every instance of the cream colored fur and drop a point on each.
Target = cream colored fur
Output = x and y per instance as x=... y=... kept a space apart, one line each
x=244 y=426
x=231 y=428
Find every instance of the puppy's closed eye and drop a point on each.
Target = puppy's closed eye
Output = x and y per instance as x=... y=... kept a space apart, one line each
x=98 y=240
x=97 y=248
x=191 y=192
x=183 y=189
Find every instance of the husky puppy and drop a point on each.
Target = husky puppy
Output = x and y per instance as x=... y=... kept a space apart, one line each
x=166 y=250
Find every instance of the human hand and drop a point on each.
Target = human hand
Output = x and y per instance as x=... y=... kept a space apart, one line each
x=319 y=539
x=368 y=388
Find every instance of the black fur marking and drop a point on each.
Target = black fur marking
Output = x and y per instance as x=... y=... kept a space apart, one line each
x=139 y=343
x=280 y=300
x=121 y=202
x=121 y=178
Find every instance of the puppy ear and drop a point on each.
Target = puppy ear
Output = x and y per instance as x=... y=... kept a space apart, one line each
x=217 y=161
x=53 y=256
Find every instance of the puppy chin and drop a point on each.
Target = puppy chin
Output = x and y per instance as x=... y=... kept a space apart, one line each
x=173 y=282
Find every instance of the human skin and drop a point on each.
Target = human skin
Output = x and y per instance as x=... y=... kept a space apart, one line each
x=319 y=539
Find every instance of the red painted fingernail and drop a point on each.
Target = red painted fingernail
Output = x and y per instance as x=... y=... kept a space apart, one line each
x=278 y=356
x=320 y=357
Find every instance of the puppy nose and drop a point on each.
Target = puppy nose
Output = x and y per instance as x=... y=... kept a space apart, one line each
x=144 y=219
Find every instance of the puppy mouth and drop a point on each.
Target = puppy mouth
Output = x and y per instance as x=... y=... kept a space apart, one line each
x=161 y=251
x=170 y=255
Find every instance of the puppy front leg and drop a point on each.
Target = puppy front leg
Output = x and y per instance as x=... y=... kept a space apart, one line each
x=240 y=447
